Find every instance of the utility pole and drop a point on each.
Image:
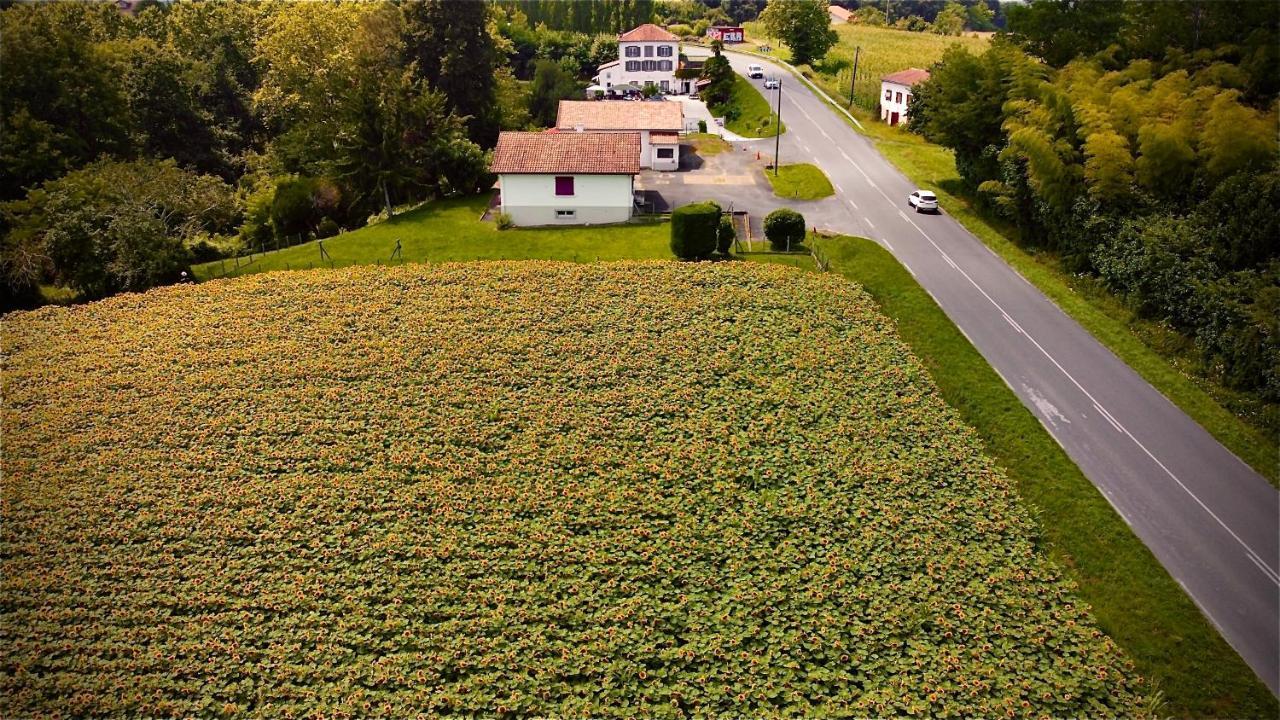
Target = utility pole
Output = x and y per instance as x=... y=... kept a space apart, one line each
x=777 y=130
x=853 y=81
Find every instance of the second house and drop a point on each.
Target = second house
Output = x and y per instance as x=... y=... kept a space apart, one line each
x=659 y=124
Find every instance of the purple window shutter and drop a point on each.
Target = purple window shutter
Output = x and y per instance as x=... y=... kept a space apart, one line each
x=564 y=185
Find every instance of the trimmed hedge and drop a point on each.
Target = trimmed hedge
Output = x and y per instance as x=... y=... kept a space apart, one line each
x=784 y=228
x=694 y=229
x=727 y=235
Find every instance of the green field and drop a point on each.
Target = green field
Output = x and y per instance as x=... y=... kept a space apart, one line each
x=539 y=489
x=450 y=231
x=800 y=181
x=748 y=113
x=884 y=51
x=707 y=143
x=1135 y=600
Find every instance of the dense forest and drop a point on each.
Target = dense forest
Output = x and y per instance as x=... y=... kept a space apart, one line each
x=1137 y=141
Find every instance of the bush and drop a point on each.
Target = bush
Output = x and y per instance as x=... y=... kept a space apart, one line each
x=694 y=229
x=327 y=228
x=784 y=228
x=702 y=126
x=726 y=236
x=504 y=221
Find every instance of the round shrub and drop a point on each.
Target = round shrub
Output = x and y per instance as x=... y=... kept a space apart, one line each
x=727 y=235
x=694 y=228
x=784 y=228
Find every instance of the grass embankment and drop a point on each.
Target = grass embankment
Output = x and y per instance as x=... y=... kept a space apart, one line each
x=531 y=489
x=748 y=113
x=800 y=181
x=1134 y=599
x=707 y=143
x=451 y=231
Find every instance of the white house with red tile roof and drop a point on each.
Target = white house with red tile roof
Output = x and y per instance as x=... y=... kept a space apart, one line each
x=646 y=54
x=839 y=15
x=659 y=123
x=895 y=93
x=567 y=178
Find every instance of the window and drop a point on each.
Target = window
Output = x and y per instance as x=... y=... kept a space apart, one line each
x=664 y=65
x=648 y=51
x=564 y=185
x=566 y=214
x=898 y=97
x=633 y=51
x=907 y=100
x=633 y=66
x=665 y=86
x=664 y=51
x=888 y=94
x=666 y=153
x=648 y=65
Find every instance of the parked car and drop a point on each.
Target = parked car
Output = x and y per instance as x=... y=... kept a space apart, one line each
x=755 y=71
x=772 y=83
x=923 y=200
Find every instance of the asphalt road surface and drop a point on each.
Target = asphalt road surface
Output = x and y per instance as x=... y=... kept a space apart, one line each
x=1211 y=520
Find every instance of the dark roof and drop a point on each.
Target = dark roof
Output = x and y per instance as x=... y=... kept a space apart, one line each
x=582 y=153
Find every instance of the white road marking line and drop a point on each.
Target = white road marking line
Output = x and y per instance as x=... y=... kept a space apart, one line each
x=888 y=245
x=1271 y=573
x=824 y=133
x=1007 y=319
x=873 y=225
x=1109 y=416
x=839 y=189
x=806 y=148
x=845 y=155
x=854 y=204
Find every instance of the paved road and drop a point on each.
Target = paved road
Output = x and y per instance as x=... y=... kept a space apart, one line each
x=1212 y=521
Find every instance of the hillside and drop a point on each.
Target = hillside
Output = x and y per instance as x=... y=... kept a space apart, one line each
x=642 y=489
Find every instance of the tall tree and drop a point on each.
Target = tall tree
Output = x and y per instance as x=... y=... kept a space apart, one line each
x=1058 y=31
x=552 y=82
x=803 y=25
x=454 y=52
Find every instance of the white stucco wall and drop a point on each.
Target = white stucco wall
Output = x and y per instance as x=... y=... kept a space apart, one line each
x=532 y=199
x=890 y=106
x=665 y=164
x=641 y=77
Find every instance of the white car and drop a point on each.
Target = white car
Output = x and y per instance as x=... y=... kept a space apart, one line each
x=771 y=83
x=923 y=200
x=755 y=71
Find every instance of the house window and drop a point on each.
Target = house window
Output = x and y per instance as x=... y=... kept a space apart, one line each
x=665 y=86
x=564 y=185
x=907 y=100
x=664 y=51
x=566 y=214
x=648 y=51
x=666 y=153
x=888 y=94
x=664 y=65
x=633 y=51
x=897 y=97
x=648 y=65
x=633 y=66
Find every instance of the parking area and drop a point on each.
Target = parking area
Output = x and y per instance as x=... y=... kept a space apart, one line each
x=734 y=178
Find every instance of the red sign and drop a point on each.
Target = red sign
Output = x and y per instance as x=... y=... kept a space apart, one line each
x=727 y=34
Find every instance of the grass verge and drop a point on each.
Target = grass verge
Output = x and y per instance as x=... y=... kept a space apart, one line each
x=747 y=113
x=708 y=144
x=800 y=181
x=1135 y=601
x=451 y=231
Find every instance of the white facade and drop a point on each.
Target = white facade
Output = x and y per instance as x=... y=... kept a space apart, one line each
x=894 y=100
x=641 y=62
x=531 y=199
x=662 y=156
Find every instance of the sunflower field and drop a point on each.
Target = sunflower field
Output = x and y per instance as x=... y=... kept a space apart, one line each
x=645 y=489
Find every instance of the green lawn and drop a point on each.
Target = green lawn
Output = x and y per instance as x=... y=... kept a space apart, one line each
x=748 y=113
x=451 y=230
x=1133 y=598
x=800 y=181
x=707 y=143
